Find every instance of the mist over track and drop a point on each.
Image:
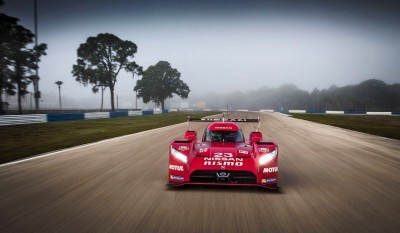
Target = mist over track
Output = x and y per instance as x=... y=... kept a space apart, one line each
x=333 y=180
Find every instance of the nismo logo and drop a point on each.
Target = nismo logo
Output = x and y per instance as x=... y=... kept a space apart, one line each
x=238 y=162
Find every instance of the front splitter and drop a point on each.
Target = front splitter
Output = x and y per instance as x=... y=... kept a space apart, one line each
x=272 y=187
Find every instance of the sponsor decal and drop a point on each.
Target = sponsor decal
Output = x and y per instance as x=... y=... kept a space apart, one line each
x=270 y=169
x=243 y=152
x=203 y=150
x=180 y=178
x=183 y=147
x=222 y=163
x=223 y=155
x=223 y=127
x=238 y=119
x=210 y=119
x=269 y=180
x=263 y=150
x=216 y=161
x=175 y=167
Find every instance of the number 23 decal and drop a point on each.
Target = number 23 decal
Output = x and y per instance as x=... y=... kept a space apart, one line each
x=223 y=155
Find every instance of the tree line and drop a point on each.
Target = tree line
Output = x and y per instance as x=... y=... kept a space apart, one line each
x=100 y=60
x=369 y=95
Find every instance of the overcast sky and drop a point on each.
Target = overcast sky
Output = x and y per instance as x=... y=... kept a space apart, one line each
x=223 y=46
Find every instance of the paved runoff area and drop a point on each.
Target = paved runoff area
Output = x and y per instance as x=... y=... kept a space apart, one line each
x=333 y=180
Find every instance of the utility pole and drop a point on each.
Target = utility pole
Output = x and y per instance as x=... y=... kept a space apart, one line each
x=31 y=95
x=136 y=100
x=59 y=83
x=36 y=80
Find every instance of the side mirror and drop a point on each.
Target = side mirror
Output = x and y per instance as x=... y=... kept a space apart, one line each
x=191 y=135
x=255 y=137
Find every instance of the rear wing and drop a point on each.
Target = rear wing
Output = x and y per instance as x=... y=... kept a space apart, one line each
x=242 y=120
x=222 y=120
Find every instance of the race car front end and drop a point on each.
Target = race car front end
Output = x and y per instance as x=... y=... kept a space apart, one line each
x=224 y=165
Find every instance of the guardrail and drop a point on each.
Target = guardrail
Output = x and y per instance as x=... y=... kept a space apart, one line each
x=334 y=112
x=22 y=119
x=55 y=117
x=96 y=115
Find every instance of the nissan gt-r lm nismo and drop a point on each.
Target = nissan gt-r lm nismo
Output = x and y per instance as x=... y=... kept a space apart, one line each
x=223 y=157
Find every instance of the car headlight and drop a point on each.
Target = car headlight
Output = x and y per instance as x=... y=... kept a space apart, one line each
x=178 y=155
x=268 y=157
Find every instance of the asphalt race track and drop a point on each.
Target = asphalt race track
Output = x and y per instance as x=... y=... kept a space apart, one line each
x=333 y=180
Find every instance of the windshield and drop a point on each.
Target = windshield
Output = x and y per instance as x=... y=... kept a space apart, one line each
x=223 y=136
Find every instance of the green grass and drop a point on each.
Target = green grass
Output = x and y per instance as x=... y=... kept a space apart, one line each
x=385 y=126
x=21 y=141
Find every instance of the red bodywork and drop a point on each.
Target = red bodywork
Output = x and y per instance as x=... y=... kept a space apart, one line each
x=205 y=162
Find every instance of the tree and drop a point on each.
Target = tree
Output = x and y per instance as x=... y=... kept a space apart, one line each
x=159 y=82
x=17 y=60
x=6 y=39
x=24 y=60
x=101 y=59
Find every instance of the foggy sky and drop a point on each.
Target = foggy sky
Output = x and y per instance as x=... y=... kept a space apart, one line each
x=224 y=46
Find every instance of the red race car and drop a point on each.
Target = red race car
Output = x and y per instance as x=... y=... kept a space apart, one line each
x=223 y=157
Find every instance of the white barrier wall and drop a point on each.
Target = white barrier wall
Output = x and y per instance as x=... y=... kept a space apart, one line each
x=23 y=119
x=96 y=115
x=135 y=113
x=157 y=111
x=266 y=110
x=334 y=112
x=379 y=113
x=297 y=111
x=243 y=110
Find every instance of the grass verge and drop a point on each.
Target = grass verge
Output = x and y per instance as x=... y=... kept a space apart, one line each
x=385 y=126
x=21 y=141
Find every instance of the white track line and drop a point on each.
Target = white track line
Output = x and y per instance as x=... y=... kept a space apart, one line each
x=283 y=114
x=83 y=146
